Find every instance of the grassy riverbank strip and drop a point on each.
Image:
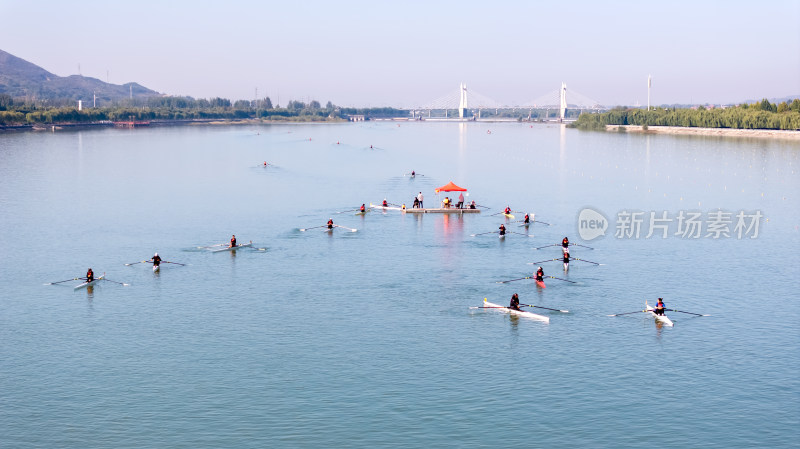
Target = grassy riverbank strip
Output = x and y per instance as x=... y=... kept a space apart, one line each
x=692 y=131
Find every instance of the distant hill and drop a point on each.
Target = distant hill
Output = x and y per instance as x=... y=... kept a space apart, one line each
x=22 y=79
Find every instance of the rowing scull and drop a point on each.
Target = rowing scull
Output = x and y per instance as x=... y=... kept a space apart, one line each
x=89 y=284
x=522 y=313
x=243 y=245
x=662 y=318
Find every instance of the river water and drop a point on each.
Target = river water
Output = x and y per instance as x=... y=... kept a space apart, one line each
x=367 y=338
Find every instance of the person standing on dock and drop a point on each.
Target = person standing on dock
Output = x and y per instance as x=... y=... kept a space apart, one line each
x=460 y=204
x=419 y=197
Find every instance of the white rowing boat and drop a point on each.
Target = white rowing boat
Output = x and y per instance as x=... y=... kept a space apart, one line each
x=231 y=248
x=89 y=284
x=662 y=318
x=375 y=206
x=523 y=313
x=156 y=268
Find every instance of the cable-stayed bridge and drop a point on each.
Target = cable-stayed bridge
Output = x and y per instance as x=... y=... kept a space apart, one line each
x=469 y=104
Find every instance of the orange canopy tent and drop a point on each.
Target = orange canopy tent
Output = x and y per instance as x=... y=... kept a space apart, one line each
x=450 y=187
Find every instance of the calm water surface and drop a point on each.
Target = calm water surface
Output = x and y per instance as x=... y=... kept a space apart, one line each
x=367 y=339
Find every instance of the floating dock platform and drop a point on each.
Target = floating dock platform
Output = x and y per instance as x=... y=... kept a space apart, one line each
x=449 y=210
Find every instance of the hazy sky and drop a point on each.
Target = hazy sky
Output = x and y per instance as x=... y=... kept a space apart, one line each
x=409 y=53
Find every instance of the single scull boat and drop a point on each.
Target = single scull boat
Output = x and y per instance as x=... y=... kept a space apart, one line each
x=662 y=318
x=89 y=284
x=243 y=245
x=515 y=312
x=375 y=206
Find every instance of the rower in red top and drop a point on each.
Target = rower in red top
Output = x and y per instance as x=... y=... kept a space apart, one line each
x=502 y=229
x=507 y=210
x=566 y=259
x=660 y=307
x=565 y=243
x=527 y=219
x=89 y=275
x=385 y=204
x=514 y=305
x=233 y=242
x=540 y=274
x=363 y=208
x=330 y=223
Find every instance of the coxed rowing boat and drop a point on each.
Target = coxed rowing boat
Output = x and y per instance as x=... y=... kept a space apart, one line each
x=522 y=313
x=662 y=318
x=230 y=248
x=89 y=284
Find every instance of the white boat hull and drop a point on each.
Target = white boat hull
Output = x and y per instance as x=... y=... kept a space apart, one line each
x=88 y=284
x=385 y=208
x=233 y=248
x=664 y=319
x=522 y=313
x=156 y=268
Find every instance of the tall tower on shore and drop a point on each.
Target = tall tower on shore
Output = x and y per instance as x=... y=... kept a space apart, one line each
x=562 y=110
x=462 y=104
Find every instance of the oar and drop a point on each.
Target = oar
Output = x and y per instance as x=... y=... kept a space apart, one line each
x=176 y=263
x=627 y=313
x=345 y=227
x=512 y=280
x=315 y=227
x=520 y=233
x=543 y=261
x=480 y=205
x=482 y=233
x=588 y=261
x=548 y=246
x=212 y=246
x=489 y=307
x=542 y=222
x=561 y=279
x=547 y=308
x=134 y=263
x=690 y=313
x=351 y=210
x=576 y=244
x=61 y=282
x=109 y=280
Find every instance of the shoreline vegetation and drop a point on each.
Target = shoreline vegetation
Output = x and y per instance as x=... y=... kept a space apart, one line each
x=763 y=116
x=760 y=120
x=21 y=114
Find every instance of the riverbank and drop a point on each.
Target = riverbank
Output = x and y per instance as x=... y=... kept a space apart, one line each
x=153 y=123
x=691 y=131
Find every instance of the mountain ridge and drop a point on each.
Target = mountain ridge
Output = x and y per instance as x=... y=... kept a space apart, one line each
x=23 y=79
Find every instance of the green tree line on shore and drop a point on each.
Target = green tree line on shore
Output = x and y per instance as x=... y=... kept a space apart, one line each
x=14 y=112
x=761 y=115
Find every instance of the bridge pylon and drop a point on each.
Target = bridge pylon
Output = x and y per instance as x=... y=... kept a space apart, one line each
x=562 y=110
x=462 y=103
